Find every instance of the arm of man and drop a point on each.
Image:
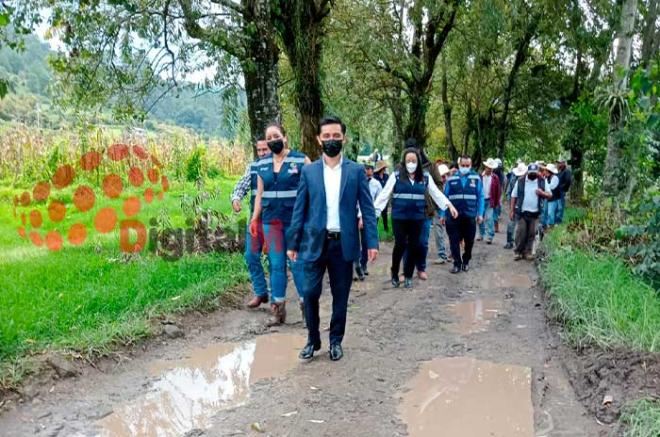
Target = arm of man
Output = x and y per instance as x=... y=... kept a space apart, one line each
x=512 y=202
x=240 y=190
x=440 y=199
x=384 y=196
x=294 y=234
x=368 y=215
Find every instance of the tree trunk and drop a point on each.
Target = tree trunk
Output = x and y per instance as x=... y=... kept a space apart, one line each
x=301 y=31
x=447 y=109
x=577 y=187
x=419 y=103
x=614 y=173
x=650 y=35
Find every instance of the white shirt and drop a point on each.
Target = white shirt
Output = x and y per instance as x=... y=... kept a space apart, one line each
x=487 y=180
x=554 y=181
x=374 y=188
x=531 y=200
x=332 y=182
x=438 y=197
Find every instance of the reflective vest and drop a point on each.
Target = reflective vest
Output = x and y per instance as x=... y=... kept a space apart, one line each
x=280 y=189
x=254 y=166
x=464 y=198
x=408 y=199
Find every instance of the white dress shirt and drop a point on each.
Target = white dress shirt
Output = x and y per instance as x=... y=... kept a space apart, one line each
x=374 y=188
x=438 y=197
x=332 y=182
x=487 y=181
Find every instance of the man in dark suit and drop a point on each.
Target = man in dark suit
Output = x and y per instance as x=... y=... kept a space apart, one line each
x=324 y=232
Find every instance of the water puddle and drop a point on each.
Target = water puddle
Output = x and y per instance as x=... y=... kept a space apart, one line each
x=190 y=391
x=474 y=315
x=462 y=396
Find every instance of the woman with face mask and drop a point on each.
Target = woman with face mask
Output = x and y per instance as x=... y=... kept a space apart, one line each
x=407 y=188
x=277 y=184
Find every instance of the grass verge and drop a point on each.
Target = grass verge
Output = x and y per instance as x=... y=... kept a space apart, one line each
x=642 y=418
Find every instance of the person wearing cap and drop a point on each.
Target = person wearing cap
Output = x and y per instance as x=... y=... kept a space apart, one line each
x=253 y=247
x=553 y=202
x=374 y=189
x=516 y=173
x=498 y=209
x=408 y=188
x=526 y=206
x=465 y=191
x=440 y=239
x=565 y=181
x=380 y=174
x=492 y=196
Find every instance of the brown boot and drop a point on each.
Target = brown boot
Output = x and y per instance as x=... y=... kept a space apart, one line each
x=278 y=313
x=257 y=301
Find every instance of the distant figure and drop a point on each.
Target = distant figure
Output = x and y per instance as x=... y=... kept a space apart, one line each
x=565 y=181
x=376 y=156
x=492 y=199
x=553 y=202
x=440 y=232
x=380 y=174
x=515 y=173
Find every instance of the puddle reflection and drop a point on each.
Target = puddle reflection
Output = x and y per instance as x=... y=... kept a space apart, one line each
x=190 y=391
x=466 y=397
x=475 y=315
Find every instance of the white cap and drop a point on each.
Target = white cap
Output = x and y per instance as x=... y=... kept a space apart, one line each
x=443 y=169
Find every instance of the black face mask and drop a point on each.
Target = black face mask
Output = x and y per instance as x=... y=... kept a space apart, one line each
x=276 y=146
x=532 y=177
x=332 y=147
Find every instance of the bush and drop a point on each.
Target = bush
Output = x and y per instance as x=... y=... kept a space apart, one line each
x=195 y=164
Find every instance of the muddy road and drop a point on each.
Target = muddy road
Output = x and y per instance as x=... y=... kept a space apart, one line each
x=458 y=355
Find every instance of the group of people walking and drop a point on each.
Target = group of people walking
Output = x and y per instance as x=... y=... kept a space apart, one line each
x=312 y=217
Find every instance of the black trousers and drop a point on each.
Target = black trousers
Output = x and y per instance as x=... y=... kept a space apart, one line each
x=340 y=273
x=461 y=228
x=386 y=226
x=406 y=239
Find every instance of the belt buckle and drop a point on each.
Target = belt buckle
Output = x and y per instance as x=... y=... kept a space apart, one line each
x=332 y=235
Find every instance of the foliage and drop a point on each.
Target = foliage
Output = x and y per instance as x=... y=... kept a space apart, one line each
x=642 y=418
x=196 y=164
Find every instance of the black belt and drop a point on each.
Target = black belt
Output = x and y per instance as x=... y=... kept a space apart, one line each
x=332 y=235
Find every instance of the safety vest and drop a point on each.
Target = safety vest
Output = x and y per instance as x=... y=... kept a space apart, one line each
x=280 y=189
x=408 y=200
x=254 y=166
x=521 y=194
x=464 y=198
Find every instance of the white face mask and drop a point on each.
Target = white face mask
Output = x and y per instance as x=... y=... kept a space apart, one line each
x=411 y=167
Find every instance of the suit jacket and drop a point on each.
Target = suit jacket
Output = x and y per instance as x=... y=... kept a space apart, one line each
x=307 y=231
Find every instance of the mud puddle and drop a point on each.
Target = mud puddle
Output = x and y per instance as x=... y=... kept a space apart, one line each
x=463 y=396
x=475 y=315
x=189 y=392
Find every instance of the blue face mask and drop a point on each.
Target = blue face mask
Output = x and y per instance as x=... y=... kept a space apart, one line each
x=464 y=170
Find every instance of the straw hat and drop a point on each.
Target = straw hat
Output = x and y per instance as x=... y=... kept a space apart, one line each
x=552 y=168
x=443 y=169
x=490 y=163
x=520 y=169
x=379 y=166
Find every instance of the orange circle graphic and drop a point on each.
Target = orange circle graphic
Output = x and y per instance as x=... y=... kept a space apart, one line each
x=105 y=220
x=35 y=219
x=53 y=241
x=90 y=161
x=131 y=206
x=25 y=198
x=112 y=186
x=63 y=176
x=84 y=198
x=165 y=183
x=160 y=195
x=21 y=232
x=148 y=195
x=23 y=219
x=153 y=175
x=140 y=152
x=36 y=239
x=117 y=152
x=135 y=177
x=56 y=211
x=41 y=191
x=77 y=234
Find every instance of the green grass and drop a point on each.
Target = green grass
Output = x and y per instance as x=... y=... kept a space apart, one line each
x=88 y=297
x=598 y=298
x=642 y=418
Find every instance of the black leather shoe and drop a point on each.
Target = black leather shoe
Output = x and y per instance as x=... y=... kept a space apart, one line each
x=336 y=352
x=407 y=283
x=466 y=267
x=455 y=269
x=360 y=273
x=307 y=353
x=395 y=281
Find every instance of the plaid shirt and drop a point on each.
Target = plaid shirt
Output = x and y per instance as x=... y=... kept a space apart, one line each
x=242 y=187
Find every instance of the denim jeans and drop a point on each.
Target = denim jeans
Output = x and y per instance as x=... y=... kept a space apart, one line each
x=275 y=242
x=552 y=208
x=424 y=244
x=510 y=229
x=440 y=238
x=496 y=213
x=487 y=226
x=253 y=248
x=560 y=208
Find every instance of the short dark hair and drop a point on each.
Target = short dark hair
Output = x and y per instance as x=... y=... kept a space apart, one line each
x=330 y=119
x=464 y=157
x=261 y=137
x=419 y=172
x=277 y=125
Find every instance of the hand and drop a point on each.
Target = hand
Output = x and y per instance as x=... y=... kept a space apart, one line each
x=254 y=228
x=511 y=215
x=540 y=192
x=453 y=211
x=442 y=221
x=236 y=205
x=372 y=254
x=480 y=220
x=360 y=223
x=292 y=254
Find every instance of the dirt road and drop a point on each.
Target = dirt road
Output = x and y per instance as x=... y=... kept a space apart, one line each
x=458 y=355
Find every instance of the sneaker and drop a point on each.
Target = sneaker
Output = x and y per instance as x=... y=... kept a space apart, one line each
x=480 y=238
x=395 y=281
x=508 y=246
x=529 y=257
x=489 y=241
x=407 y=283
x=440 y=261
x=517 y=257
